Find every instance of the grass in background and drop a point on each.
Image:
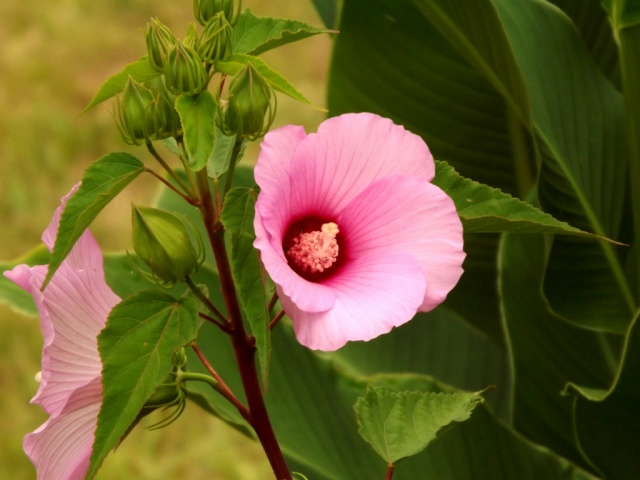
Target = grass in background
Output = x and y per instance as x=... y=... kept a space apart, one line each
x=54 y=55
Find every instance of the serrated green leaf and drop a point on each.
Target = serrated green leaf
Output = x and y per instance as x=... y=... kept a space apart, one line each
x=255 y=35
x=101 y=183
x=484 y=209
x=401 y=424
x=198 y=117
x=238 y=61
x=136 y=348
x=141 y=72
x=237 y=218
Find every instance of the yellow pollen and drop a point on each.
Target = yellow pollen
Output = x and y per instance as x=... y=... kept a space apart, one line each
x=315 y=251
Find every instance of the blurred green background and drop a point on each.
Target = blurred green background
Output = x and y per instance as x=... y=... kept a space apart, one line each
x=54 y=55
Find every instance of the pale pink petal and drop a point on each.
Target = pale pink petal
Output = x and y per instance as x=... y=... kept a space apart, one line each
x=73 y=310
x=374 y=294
x=272 y=175
x=347 y=154
x=409 y=215
x=61 y=447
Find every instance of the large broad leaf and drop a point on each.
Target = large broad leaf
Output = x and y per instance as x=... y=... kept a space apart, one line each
x=141 y=71
x=256 y=35
x=237 y=218
x=547 y=352
x=578 y=118
x=607 y=421
x=101 y=183
x=591 y=20
x=136 y=348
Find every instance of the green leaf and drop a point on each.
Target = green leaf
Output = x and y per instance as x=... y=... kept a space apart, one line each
x=238 y=61
x=237 y=218
x=486 y=209
x=198 y=117
x=136 y=348
x=623 y=13
x=255 y=35
x=583 y=177
x=329 y=11
x=101 y=183
x=141 y=72
x=401 y=424
x=600 y=412
x=547 y=351
x=11 y=294
x=220 y=158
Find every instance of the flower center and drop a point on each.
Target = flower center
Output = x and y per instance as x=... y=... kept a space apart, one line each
x=315 y=251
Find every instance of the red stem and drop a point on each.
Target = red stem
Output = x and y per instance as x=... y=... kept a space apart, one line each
x=389 y=472
x=223 y=388
x=243 y=344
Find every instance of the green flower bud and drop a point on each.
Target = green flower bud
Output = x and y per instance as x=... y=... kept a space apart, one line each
x=204 y=10
x=216 y=43
x=191 y=39
x=184 y=72
x=160 y=41
x=133 y=113
x=249 y=111
x=162 y=242
x=145 y=114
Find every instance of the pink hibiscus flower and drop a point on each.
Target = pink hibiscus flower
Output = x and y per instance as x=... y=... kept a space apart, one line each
x=73 y=309
x=350 y=229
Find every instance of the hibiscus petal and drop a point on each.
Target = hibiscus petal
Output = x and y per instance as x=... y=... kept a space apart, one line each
x=61 y=447
x=409 y=215
x=374 y=294
x=73 y=310
x=272 y=175
x=347 y=154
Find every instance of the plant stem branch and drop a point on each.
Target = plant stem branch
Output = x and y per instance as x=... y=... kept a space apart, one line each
x=243 y=344
x=204 y=299
x=168 y=169
x=276 y=319
x=273 y=301
x=235 y=154
x=171 y=187
x=220 y=386
x=389 y=472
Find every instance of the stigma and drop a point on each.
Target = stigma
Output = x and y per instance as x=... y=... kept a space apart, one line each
x=317 y=250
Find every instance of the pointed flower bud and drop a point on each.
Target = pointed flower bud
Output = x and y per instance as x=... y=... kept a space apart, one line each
x=192 y=39
x=216 y=42
x=184 y=72
x=160 y=41
x=204 y=10
x=249 y=110
x=133 y=113
x=145 y=114
x=162 y=242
